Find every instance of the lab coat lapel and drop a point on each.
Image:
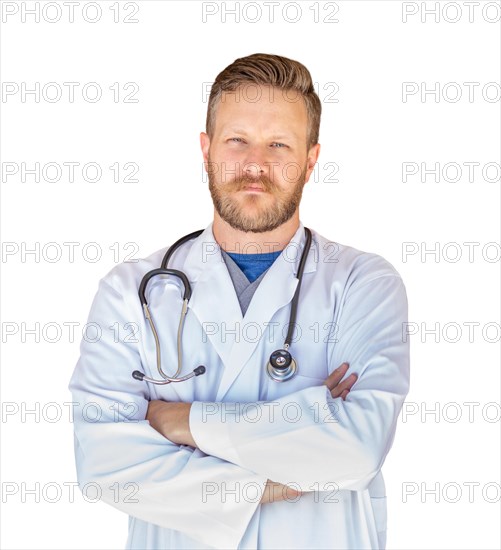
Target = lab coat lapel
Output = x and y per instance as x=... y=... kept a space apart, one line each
x=275 y=291
x=213 y=301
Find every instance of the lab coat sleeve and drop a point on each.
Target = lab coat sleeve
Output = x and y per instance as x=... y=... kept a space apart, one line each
x=136 y=469
x=330 y=440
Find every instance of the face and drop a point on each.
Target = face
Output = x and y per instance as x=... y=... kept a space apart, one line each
x=257 y=160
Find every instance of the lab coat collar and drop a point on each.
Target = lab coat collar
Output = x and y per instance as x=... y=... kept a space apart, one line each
x=205 y=252
x=215 y=303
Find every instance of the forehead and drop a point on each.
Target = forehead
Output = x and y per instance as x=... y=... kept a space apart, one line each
x=261 y=106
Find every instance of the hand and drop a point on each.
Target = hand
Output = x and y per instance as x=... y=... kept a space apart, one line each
x=338 y=388
x=171 y=419
x=274 y=492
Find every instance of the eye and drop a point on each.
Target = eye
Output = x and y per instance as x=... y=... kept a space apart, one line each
x=278 y=145
x=236 y=140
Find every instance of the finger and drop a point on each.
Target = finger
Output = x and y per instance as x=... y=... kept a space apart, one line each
x=345 y=394
x=288 y=493
x=344 y=385
x=278 y=492
x=336 y=376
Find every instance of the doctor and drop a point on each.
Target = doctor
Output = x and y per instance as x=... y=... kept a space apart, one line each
x=233 y=458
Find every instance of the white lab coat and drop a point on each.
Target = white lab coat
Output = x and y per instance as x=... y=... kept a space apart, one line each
x=352 y=308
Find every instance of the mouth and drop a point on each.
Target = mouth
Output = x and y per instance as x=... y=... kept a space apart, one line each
x=253 y=187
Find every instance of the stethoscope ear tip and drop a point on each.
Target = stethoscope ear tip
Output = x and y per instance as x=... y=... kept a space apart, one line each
x=138 y=375
x=199 y=370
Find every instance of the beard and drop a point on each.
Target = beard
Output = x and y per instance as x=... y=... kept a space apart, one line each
x=254 y=212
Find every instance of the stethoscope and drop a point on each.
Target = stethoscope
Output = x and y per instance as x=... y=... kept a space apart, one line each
x=281 y=365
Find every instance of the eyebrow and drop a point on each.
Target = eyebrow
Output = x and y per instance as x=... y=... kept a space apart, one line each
x=235 y=131
x=273 y=136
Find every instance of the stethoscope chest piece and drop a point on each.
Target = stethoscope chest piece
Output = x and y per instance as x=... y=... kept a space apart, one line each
x=281 y=366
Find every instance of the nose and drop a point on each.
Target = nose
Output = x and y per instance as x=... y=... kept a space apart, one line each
x=253 y=169
x=255 y=162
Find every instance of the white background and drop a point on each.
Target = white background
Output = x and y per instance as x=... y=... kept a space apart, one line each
x=369 y=131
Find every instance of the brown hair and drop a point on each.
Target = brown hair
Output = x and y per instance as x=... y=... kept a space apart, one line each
x=268 y=70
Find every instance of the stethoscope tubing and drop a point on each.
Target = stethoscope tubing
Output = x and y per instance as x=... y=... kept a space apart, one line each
x=281 y=366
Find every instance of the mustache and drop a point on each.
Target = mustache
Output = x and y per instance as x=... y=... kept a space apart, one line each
x=240 y=182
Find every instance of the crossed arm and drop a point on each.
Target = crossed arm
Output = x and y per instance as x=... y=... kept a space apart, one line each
x=170 y=475
x=171 y=419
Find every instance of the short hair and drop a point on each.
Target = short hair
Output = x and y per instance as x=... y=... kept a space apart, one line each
x=268 y=70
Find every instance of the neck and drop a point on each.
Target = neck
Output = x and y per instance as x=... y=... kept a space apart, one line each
x=233 y=240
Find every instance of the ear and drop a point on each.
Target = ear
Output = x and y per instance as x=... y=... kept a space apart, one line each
x=204 y=145
x=311 y=160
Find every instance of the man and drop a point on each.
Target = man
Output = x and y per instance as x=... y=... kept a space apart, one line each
x=234 y=458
